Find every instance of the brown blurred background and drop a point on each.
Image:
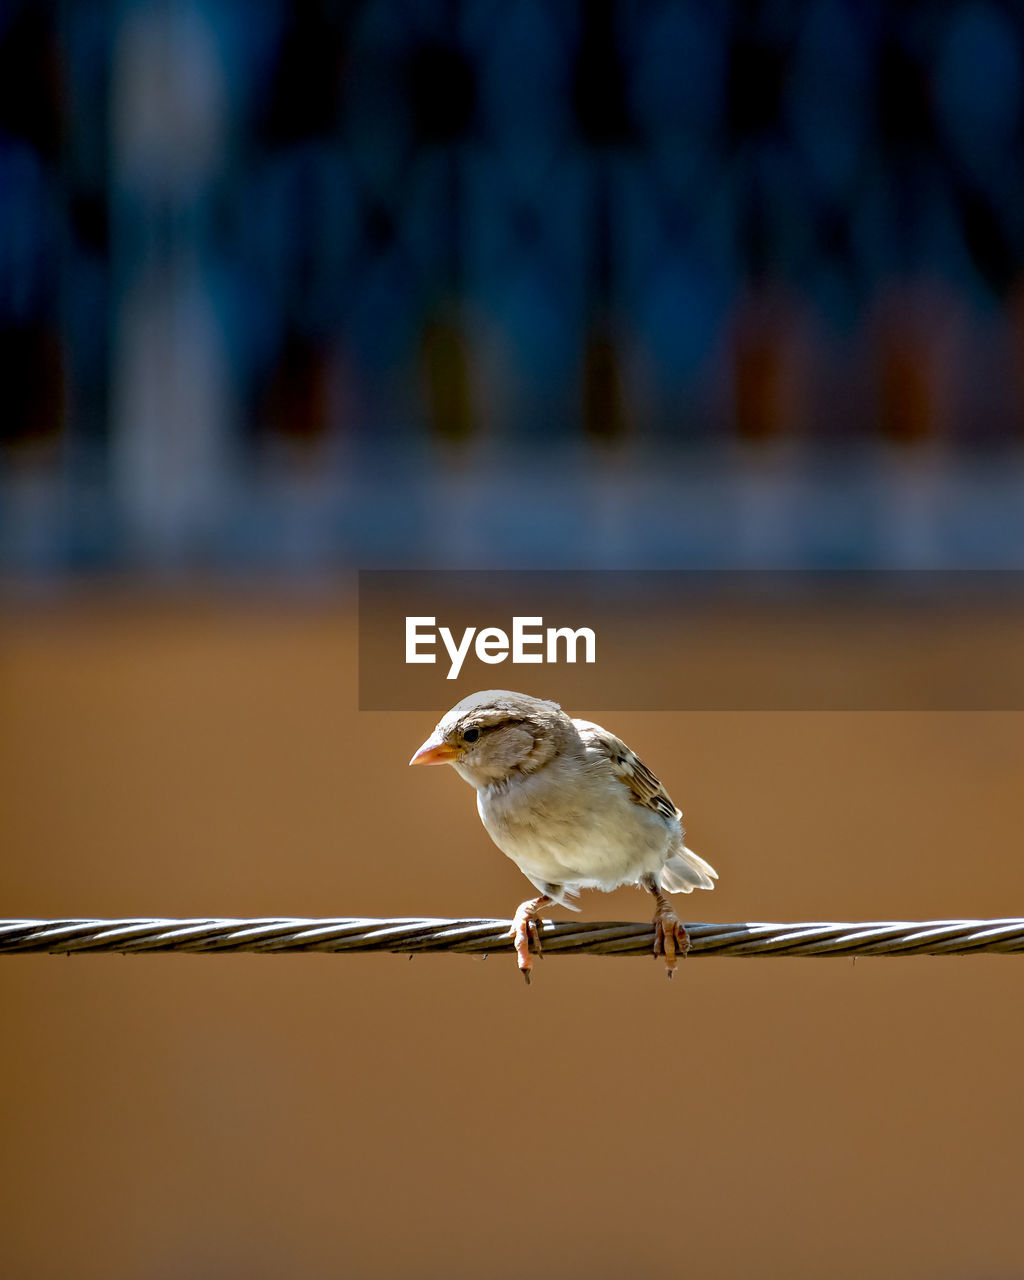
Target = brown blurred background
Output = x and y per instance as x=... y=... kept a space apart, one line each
x=298 y=288
x=197 y=1116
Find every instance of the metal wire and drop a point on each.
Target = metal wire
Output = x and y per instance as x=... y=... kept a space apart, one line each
x=416 y=935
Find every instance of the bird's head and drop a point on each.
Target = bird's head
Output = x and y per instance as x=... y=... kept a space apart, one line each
x=492 y=735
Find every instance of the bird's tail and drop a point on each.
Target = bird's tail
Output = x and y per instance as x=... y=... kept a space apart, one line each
x=686 y=871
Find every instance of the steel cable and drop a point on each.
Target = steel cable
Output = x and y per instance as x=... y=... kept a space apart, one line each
x=417 y=935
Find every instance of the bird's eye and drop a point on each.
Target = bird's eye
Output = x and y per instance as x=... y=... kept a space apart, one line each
x=471 y=735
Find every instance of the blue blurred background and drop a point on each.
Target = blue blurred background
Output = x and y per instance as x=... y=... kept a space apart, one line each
x=305 y=285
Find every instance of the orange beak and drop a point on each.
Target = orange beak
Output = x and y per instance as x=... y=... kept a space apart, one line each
x=434 y=751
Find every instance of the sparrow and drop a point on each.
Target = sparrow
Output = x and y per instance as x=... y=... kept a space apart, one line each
x=572 y=806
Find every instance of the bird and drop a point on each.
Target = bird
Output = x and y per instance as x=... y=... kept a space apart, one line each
x=572 y=806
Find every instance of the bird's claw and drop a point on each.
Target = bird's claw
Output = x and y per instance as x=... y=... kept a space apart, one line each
x=526 y=937
x=670 y=938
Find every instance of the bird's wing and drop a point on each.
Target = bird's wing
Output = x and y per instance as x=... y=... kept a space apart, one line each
x=644 y=788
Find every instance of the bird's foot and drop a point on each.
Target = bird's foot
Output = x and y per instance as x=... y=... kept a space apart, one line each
x=670 y=937
x=526 y=935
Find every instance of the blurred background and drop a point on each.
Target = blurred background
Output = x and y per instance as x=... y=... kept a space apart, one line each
x=283 y=284
x=291 y=289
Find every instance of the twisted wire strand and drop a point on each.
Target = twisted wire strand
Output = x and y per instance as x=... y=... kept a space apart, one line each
x=422 y=934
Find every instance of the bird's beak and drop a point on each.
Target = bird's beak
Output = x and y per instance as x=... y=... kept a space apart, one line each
x=435 y=751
